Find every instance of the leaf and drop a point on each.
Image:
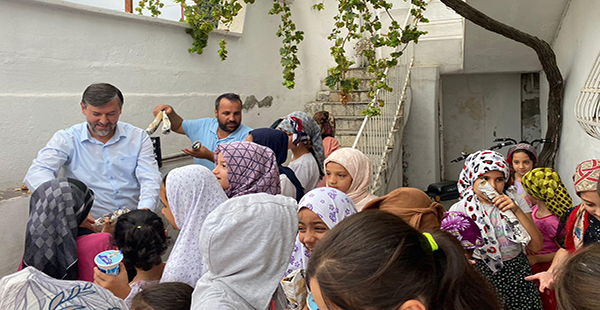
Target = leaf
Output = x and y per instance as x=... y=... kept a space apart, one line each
x=56 y=301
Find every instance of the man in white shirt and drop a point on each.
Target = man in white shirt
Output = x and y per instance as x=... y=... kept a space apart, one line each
x=113 y=158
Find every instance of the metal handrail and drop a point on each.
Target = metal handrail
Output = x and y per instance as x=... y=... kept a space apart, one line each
x=375 y=137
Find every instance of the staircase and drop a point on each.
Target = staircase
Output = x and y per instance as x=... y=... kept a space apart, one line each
x=348 y=118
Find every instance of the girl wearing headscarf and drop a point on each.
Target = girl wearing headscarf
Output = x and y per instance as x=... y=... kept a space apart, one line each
x=412 y=205
x=31 y=289
x=307 y=148
x=277 y=141
x=60 y=240
x=189 y=195
x=244 y=168
x=330 y=143
x=349 y=170
x=318 y=212
x=521 y=159
x=327 y=124
x=552 y=203
x=506 y=230
x=247 y=242
x=583 y=223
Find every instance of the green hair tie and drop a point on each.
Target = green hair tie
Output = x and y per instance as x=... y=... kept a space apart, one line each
x=432 y=242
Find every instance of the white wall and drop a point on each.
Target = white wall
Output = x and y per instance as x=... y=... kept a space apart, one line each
x=576 y=47
x=421 y=134
x=475 y=107
x=52 y=50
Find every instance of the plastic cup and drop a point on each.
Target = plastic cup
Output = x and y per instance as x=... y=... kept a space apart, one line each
x=108 y=261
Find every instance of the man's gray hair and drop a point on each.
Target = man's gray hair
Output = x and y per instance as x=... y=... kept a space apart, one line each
x=229 y=96
x=99 y=94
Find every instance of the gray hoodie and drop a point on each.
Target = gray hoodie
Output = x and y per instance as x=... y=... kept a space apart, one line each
x=246 y=244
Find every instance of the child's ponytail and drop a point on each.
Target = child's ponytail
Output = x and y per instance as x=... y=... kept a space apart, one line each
x=375 y=260
x=460 y=286
x=141 y=237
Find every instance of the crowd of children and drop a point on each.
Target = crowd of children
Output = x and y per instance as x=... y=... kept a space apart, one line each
x=255 y=234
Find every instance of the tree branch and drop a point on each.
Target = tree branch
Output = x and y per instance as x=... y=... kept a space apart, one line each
x=547 y=59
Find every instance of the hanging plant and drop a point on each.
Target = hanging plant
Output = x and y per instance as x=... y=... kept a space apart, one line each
x=355 y=20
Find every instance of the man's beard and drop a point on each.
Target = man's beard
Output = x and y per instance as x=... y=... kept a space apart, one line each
x=223 y=126
x=101 y=133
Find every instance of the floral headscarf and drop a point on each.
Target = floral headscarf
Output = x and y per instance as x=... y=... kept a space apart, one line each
x=306 y=130
x=476 y=165
x=544 y=184
x=463 y=228
x=251 y=168
x=332 y=206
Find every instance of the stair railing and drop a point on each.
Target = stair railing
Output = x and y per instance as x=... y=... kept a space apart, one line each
x=376 y=136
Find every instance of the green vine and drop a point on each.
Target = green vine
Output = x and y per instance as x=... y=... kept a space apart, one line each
x=356 y=20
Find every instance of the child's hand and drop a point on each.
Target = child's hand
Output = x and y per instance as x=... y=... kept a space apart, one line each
x=505 y=203
x=108 y=227
x=118 y=285
x=546 y=279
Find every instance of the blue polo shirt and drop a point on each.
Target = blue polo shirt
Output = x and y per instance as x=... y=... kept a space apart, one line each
x=205 y=130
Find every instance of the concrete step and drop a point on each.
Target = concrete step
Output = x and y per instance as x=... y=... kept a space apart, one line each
x=334 y=96
x=363 y=85
x=336 y=108
x=349 y=122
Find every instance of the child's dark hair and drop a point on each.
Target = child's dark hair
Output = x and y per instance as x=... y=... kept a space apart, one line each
x=375 y=260
x=140 y=235
x=578 y=280
x=168 y=295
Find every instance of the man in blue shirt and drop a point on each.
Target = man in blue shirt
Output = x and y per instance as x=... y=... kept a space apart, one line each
x=114 y=159
x=225 y=127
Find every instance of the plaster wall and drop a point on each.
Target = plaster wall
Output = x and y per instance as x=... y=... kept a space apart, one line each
x=52 y=50
x=577 y=45
x=421 y=138
x=477 y=108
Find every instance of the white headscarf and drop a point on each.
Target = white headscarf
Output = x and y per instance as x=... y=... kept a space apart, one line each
x=246 y=243
x=192 y=192
x=33 y=289
x=332 y=206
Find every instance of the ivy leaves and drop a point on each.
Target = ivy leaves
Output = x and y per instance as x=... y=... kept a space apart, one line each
x=290 y=40
x=356 y=20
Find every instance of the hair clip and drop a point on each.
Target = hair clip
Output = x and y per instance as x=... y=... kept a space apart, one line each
x=432 y=242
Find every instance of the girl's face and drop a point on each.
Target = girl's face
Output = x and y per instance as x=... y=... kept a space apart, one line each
x=495 y=178
x=290 y=140
x=591 y=202
x=311 y=228
x=220 y=172
x=338 y=177
x=166 y=210
x=521 y=163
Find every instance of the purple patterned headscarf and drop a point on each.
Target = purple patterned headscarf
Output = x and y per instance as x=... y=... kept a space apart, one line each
x=251 y=168
x=332 y=206
x=463 y=228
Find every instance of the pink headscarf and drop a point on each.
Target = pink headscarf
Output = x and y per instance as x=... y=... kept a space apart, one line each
x=359 y=167
x=251 y=168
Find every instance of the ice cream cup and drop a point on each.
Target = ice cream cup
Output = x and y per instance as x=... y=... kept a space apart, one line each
x=108 y=261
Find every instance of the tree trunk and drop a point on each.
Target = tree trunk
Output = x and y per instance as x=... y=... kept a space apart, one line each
x=548 y=60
